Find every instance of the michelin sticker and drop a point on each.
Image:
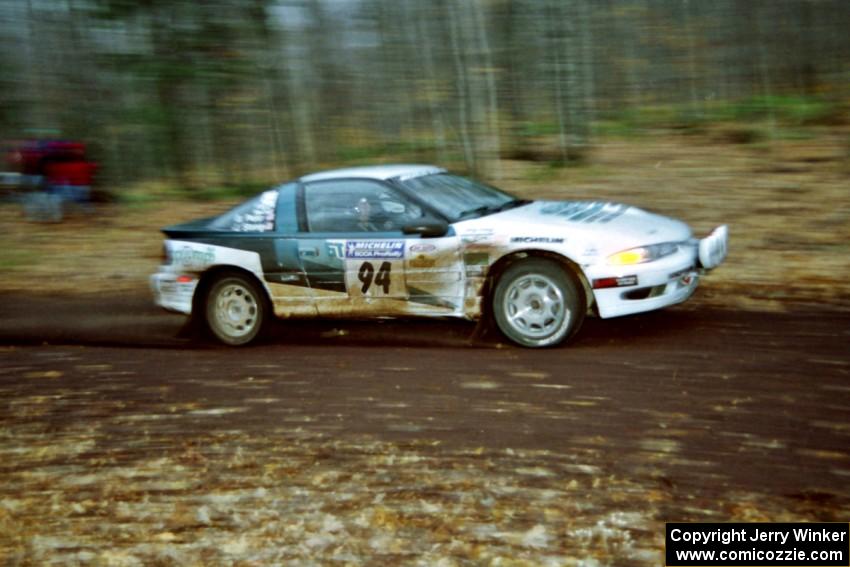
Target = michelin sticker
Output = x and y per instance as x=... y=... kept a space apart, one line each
x=536 y=240
x=360 y=249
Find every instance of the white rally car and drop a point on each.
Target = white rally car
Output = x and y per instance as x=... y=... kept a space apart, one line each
x=398 y=240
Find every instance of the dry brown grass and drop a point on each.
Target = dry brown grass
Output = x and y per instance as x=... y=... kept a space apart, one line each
x=787 y=203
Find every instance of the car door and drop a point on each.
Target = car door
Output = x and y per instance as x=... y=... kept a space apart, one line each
x=359 y=261
x=285 y=278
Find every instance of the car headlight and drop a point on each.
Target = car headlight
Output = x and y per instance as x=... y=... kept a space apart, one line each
x=643 y=254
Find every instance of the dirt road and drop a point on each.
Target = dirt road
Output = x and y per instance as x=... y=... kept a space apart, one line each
x=123 y=442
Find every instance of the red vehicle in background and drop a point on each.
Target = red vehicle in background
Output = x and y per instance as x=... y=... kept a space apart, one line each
x=53 y=174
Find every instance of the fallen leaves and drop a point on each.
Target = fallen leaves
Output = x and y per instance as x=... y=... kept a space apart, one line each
x=50 y=374
x=480 y=385
x=293 y=498
x=86 y=478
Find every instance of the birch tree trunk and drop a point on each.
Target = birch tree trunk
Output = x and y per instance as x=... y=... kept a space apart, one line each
x=467 y=139
x=433 y=82
x=490 y=126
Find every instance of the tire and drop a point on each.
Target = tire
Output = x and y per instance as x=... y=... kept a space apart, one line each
x=536 y=303
x=235 y=310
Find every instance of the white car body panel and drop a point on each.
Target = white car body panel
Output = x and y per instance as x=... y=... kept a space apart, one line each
x=586 y=233
x=190 y=260
x=446 y=276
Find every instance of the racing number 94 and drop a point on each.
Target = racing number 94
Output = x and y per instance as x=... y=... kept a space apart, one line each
x=367 y=276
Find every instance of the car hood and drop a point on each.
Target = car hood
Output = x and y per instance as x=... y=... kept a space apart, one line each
x=607 y=227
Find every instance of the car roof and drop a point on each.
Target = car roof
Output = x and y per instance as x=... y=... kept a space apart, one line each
x=388 y=171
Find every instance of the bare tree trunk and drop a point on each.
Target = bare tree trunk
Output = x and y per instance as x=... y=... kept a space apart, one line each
x=168 y=96
x=437 y=125
x=696 y=104
x=493 y=145
x=569 y=90
x=462 y=93
x=575 y=111
x=303 y=116
x=34 y=77
x=555 y=38
x=588 y=66
x=270 y=72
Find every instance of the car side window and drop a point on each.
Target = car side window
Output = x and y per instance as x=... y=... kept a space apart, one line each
x=356 y=205
x=254 y=215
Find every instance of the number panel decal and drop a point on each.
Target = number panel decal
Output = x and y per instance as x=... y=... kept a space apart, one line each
x=366 y=275
x=383 y=277
x=375 y=278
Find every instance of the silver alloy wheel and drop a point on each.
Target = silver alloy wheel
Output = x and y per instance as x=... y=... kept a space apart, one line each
x=235 y=311
x=538 y=303
x=534 y=306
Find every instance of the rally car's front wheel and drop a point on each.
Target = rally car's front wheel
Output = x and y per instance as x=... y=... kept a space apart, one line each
x=537 y=304
x=235 y=309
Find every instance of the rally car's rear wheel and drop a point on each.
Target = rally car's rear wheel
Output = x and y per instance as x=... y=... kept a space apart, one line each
x=235 y=309
x=537 y=304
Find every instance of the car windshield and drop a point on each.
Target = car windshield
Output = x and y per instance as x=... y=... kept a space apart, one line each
x=459 y=198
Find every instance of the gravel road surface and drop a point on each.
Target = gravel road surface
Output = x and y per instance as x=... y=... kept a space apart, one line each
x=125 y=442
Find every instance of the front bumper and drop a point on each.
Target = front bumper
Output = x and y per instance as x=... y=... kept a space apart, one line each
x=654 y=285
x=173 y=291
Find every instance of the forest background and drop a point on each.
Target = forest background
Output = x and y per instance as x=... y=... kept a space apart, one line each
x=737 y=106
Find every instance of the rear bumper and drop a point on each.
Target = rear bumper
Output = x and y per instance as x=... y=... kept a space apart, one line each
x=172 y=294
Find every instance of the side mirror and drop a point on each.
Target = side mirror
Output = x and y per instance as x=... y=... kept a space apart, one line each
x=427 y=228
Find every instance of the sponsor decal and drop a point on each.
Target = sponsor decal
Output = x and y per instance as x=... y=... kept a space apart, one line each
x=591 y=212
x=260 y=218
x=422 y=247
x=477 y=236
x=483 y=239
x=476 y=263
x=476 y=259
x=422 y=261
x=283 y=278
x=685 y=276
x=189 y=256
x=590 y=254
x=335 y=249
x=374 y=249
x=184 y=286
x=536 y=240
